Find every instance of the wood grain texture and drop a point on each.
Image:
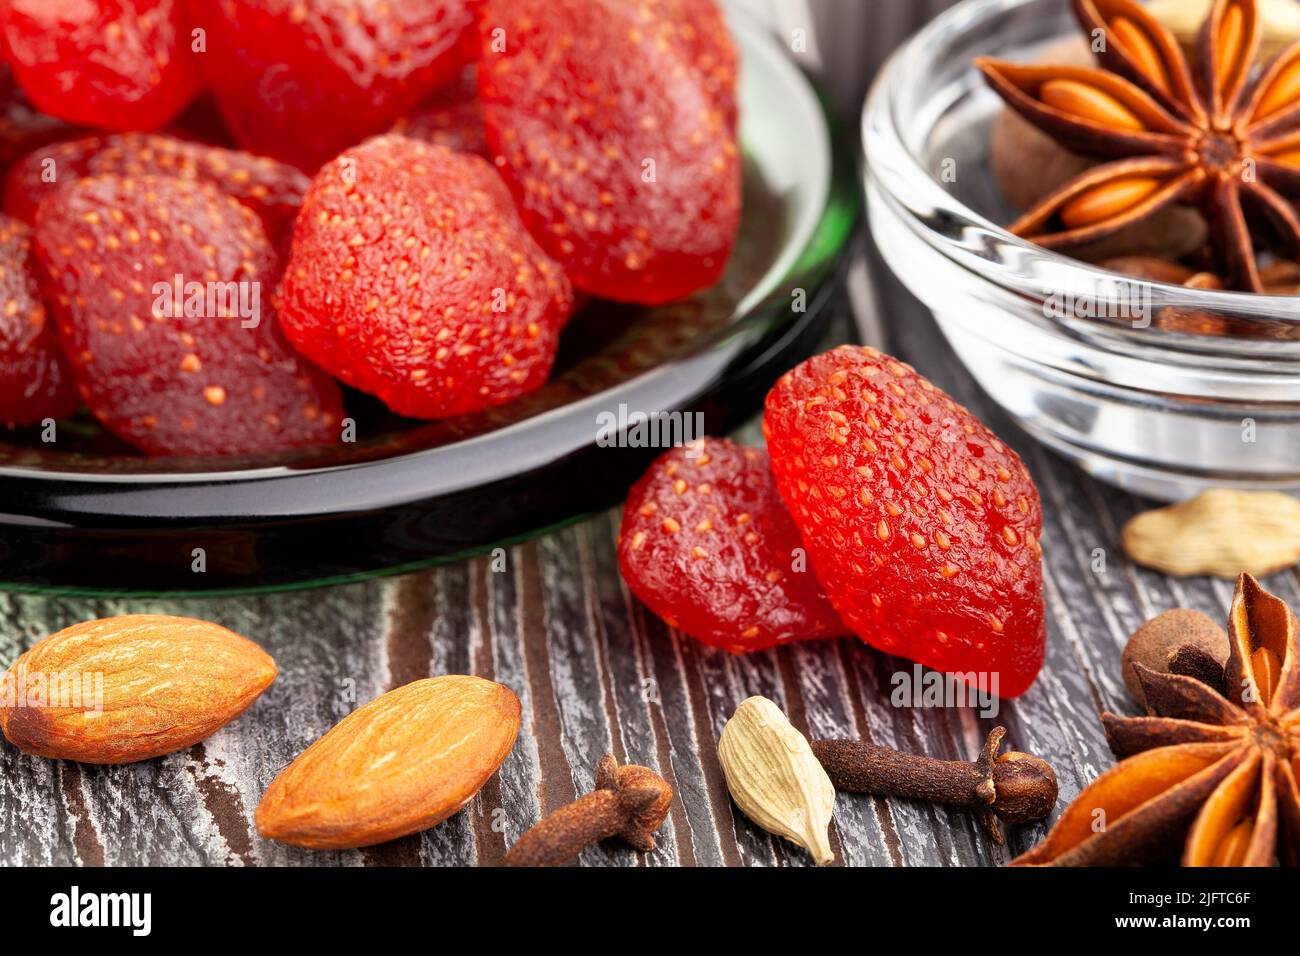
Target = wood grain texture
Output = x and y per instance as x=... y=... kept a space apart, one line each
x=596 y=672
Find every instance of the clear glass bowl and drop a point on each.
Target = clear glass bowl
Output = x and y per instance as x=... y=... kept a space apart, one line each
x=1169 y=391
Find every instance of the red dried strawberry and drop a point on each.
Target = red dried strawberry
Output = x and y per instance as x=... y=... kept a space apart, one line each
x=304 y=81
x=920 y=523
x=22 y=126
x=35 y=382
x=702 y=31
x=452 y=117
x=708 y=546
x=201 y=122
x=271 y=189
x=614 y=125
x=202 y=372
x=411 y=278
x=117 y=64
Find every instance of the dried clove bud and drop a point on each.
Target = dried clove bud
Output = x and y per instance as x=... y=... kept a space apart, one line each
x=1015 y=787
x=630 y=802
x=774 y=777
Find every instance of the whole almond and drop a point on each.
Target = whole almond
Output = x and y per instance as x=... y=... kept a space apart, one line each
x=129 y=688
x=1220 y=532
x=400 y=764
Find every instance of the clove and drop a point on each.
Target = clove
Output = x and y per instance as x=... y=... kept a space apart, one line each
x=629 y=802
x=1014 y=787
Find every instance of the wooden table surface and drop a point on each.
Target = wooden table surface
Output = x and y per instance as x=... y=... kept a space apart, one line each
x=595 y=673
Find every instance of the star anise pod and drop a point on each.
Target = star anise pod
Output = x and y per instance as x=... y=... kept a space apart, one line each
x=1207 y=134
x=1220 y=770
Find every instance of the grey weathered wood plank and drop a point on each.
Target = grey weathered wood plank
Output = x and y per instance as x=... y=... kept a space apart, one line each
x=596 y=672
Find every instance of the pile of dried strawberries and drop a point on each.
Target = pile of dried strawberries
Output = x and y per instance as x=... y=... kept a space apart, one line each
x=216 y=210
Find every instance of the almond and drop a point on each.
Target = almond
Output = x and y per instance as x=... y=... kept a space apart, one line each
x=400 y=764
x=129 y=688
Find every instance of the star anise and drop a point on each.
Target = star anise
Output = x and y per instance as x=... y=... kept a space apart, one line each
x=1220 y=769
x=1217 y=134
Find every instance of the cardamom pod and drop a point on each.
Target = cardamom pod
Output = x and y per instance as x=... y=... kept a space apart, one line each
x=774 y=777
x=1221 y=532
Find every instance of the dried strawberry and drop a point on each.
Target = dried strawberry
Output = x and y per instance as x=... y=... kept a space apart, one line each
x=411 y=278
x=451 y=117
x=35 y=382
x=204 y=374
x=922 y=526
x=271 y=189
x=614 y=125
x=707 y=544
x=117 y=64
x=304 y=81
x=702 y=30
x=201 y=122
x=22 y=126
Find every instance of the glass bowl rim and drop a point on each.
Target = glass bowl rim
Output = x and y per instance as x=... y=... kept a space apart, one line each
x=910 y=186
